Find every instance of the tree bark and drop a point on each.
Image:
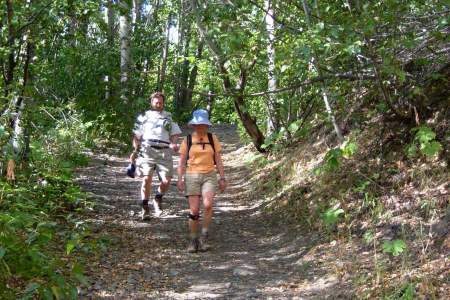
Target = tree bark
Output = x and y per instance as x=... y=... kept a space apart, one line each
x=137 y=6
x=193 y=77
x=272 y=107
x=11 y=41
x=125 y=49
x=110 y=21
x=164 y=56
x=209 y=103
x=19 y=139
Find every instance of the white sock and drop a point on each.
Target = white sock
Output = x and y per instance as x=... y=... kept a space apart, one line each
x=204 y=231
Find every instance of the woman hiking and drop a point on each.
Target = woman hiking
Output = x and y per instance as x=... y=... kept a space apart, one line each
x=200 y=157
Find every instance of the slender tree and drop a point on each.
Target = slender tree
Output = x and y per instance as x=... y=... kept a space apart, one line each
x=164 y=56
x=125 y=48
x=272 y=107
x=325 y=94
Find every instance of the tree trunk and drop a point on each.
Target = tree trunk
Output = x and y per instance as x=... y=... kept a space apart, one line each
x=193 y=77
x=109 y=20
x=325 y=95
x=250 y=125
x=9 y=77
x=164 y=56
x=272 y=107
x=125 y=49
x=209 y=103
x=137 y=6
x=19 y=139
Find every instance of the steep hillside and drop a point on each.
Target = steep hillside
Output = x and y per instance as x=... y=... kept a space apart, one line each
x=380 y=202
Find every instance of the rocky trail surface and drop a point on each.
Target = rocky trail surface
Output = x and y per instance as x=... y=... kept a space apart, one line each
x=251 y=258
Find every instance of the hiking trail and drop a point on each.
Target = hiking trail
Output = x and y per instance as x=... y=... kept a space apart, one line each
x=251 y=258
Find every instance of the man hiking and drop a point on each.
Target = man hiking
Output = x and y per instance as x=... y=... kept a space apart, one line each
x=154 y=139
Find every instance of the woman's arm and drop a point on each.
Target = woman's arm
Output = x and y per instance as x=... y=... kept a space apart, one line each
x=181 y=169
x=221 y=171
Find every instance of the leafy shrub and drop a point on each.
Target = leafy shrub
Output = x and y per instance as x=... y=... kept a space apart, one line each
x=333 y=158
x=424 y=141
x=331 y=216
x=395 y=247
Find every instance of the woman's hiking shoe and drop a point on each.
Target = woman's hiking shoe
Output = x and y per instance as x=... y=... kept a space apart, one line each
x=193 y=246
x=145 y=213
x=203 y=243
x=157 y=204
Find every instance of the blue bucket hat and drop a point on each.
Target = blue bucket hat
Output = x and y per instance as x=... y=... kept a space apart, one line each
x=200 y=117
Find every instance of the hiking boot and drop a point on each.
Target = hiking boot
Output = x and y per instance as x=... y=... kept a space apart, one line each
x=157 y=204
x=193 y=246
x=203 y=243
x=145 y=213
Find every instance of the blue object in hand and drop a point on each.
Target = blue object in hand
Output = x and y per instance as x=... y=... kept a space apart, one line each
x=131 y=170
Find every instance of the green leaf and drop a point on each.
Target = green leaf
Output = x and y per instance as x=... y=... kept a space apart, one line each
x=368 y=237
x=349 y=149
x=431 y=149
x=411 y=151
x=57 y=292
x=293 y=128
x=424 y=134
x=331 y=215
x=396 y=247
x=2 y=251
x=70 y=246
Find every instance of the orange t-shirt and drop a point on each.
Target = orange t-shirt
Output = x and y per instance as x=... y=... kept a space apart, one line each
x=201 y=156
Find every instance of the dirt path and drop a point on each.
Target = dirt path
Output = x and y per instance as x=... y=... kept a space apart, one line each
x=250 y=258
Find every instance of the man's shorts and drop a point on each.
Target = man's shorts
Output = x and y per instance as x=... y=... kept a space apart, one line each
x=155 y=159
x=199 y=183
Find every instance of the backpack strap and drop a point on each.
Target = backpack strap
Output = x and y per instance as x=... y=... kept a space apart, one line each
x=189 y=145
x=211 y=142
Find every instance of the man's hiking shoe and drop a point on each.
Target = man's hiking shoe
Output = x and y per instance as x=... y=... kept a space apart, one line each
x=193 y=246
x=203 y=243
x=157 y=204
x=145 y=213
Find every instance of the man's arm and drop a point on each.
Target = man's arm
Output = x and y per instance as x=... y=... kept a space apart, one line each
x=136 y=145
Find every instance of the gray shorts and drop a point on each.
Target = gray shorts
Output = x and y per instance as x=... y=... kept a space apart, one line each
x=199 y=183
x=151 y=159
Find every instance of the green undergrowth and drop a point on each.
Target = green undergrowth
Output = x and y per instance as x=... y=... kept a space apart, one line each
x=44 y=243
x=384 y=191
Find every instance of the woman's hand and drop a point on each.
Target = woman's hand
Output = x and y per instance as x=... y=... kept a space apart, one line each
x=222 y=184
x=181 y=185
x=174 y=147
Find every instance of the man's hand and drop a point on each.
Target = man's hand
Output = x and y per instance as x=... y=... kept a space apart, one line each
x=133 y=157
x=174 y=147
x=181 y=185
x=222 y=184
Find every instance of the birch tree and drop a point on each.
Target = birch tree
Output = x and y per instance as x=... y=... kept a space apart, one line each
x=125 y=48
x=110 y=34
x=164 y=56
x=272 y=107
